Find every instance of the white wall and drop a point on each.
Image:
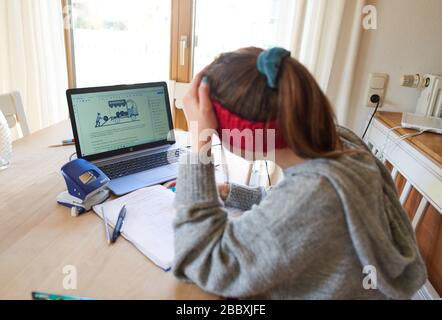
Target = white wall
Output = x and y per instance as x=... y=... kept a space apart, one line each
x=408 y=40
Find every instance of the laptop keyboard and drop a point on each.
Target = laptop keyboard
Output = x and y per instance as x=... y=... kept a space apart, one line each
x=136 y=165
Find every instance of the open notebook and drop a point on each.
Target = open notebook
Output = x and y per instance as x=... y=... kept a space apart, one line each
x=148 y=224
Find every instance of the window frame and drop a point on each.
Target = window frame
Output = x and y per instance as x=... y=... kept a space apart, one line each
x=182 y=24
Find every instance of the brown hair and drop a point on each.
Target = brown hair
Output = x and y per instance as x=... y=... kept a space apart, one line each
x=302 y=110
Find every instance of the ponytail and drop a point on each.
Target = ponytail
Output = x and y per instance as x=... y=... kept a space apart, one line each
x=305 y=115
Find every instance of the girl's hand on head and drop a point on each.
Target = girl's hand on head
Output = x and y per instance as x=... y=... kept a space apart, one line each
x=199 y=113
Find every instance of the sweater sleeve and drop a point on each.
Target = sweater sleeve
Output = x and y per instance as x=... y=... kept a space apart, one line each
x=242 y=257
x=243 y=197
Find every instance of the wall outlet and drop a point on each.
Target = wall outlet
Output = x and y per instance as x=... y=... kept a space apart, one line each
x=377 y=84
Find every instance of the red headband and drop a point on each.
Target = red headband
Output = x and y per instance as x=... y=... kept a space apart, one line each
x=250 y=142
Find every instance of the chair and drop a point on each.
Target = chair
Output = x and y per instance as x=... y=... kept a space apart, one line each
x=12 y=107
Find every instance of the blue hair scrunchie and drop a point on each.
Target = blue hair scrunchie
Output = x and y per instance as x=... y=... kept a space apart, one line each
x=269 y=63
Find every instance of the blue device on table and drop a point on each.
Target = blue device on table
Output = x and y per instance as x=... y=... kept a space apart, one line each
x=86 y=186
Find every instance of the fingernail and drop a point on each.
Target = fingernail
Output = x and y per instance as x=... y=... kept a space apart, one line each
x=205 y=80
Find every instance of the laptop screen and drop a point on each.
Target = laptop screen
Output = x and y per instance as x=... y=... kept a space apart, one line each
x=108 y=121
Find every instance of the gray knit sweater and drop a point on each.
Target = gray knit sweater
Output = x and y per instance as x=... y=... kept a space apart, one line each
x=309 y=237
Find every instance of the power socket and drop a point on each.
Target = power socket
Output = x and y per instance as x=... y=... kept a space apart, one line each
x=377 y=84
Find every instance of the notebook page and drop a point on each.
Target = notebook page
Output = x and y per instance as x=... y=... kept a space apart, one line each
x=148 y=223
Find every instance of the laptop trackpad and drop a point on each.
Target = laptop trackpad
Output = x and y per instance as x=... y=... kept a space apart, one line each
x=155 y=175
x=140 y=180
x=124 y=185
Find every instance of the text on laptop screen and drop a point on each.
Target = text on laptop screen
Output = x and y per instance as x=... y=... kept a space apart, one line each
x=109 y=121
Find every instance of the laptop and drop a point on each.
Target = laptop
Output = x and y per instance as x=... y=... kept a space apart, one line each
x=421 y=122
x=127 y=132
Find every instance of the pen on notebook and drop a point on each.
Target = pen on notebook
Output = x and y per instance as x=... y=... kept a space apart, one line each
x=119 y=224
x=106 y=227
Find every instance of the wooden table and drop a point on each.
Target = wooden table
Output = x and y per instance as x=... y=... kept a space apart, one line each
x=429 y=143
x=38 y=238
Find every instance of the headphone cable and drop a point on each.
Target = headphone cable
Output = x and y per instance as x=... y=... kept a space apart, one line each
x=268 y=174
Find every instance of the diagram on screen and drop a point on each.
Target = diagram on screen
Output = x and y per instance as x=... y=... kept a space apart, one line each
x=120 y=111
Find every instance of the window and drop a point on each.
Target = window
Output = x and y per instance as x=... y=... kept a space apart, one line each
x=133 y=41
x=228 y=25
x=118 y=41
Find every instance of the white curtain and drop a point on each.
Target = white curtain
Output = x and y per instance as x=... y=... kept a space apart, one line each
x=32 y=58
x=325 y=38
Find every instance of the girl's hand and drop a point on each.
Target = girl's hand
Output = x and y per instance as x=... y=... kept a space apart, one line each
x=170 y=184
x=223 y=190
x=199 y=113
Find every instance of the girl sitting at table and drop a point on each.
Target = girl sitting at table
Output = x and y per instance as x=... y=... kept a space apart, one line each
x=333 y=228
